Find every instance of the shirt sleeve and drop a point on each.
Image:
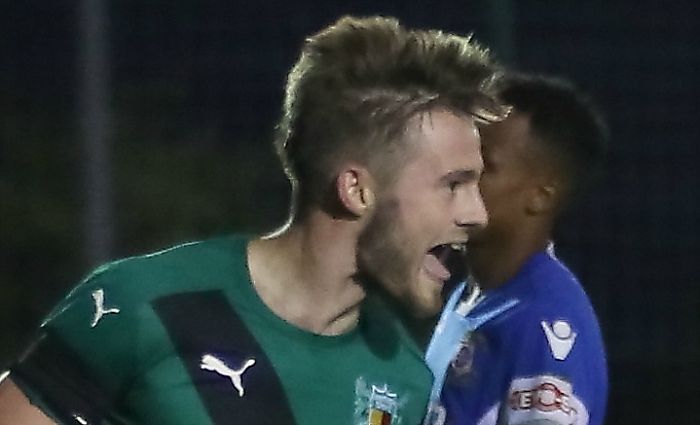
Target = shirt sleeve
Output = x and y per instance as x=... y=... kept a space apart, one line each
x=553 y=377
x=81 y=358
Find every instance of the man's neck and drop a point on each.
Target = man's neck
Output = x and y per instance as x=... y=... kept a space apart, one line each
x=494 y=263
x=305 y=276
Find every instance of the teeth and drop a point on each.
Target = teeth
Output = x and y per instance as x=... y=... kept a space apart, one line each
x=458 y=247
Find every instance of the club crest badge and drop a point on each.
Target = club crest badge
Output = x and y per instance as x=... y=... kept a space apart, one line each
x=382 y=406
x=376 y=404
x=463 y=361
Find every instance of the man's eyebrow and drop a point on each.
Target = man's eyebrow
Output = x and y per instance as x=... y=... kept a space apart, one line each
x=460 y=175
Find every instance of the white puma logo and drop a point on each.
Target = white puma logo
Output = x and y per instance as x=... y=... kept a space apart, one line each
x=561 y=338
x=99 y=297
x=210 y=362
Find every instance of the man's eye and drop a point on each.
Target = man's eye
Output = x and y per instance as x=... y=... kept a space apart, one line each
x=453 y=185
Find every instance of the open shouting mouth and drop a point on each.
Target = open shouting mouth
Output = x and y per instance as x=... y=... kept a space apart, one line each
x=446 y=262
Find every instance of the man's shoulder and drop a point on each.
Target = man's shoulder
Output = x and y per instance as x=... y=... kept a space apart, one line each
x=194 y=254
x=138 y=280
x=183 y=265
x=554 y=311
x=553 y=288
x=554 y=346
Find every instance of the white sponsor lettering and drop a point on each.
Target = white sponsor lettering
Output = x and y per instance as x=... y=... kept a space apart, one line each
x=544 y=398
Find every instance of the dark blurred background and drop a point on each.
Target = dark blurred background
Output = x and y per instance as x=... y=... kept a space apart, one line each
x=127 y=126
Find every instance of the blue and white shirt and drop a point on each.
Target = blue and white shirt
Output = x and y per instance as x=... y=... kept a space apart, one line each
x=543 y=362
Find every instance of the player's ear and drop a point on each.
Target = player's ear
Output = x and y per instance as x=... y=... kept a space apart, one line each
x=543 y=198
x=355 y=189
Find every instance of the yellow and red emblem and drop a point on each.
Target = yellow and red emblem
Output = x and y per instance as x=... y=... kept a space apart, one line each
x=382 y=406
x=379 y=417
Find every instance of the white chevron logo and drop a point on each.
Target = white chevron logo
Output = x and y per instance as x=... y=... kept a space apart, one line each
x=560 y=338
x=213 y=364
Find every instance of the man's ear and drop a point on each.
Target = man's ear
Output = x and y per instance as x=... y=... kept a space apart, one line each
x=544 y=198
x=355 y=189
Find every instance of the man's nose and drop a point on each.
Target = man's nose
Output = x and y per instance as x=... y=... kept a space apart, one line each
x=471 y=211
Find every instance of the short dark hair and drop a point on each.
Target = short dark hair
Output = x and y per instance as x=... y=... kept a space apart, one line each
x=567 y=123
x=358 y=82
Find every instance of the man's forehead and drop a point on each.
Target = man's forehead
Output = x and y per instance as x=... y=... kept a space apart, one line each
x=450 y=142
x=433 y=119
